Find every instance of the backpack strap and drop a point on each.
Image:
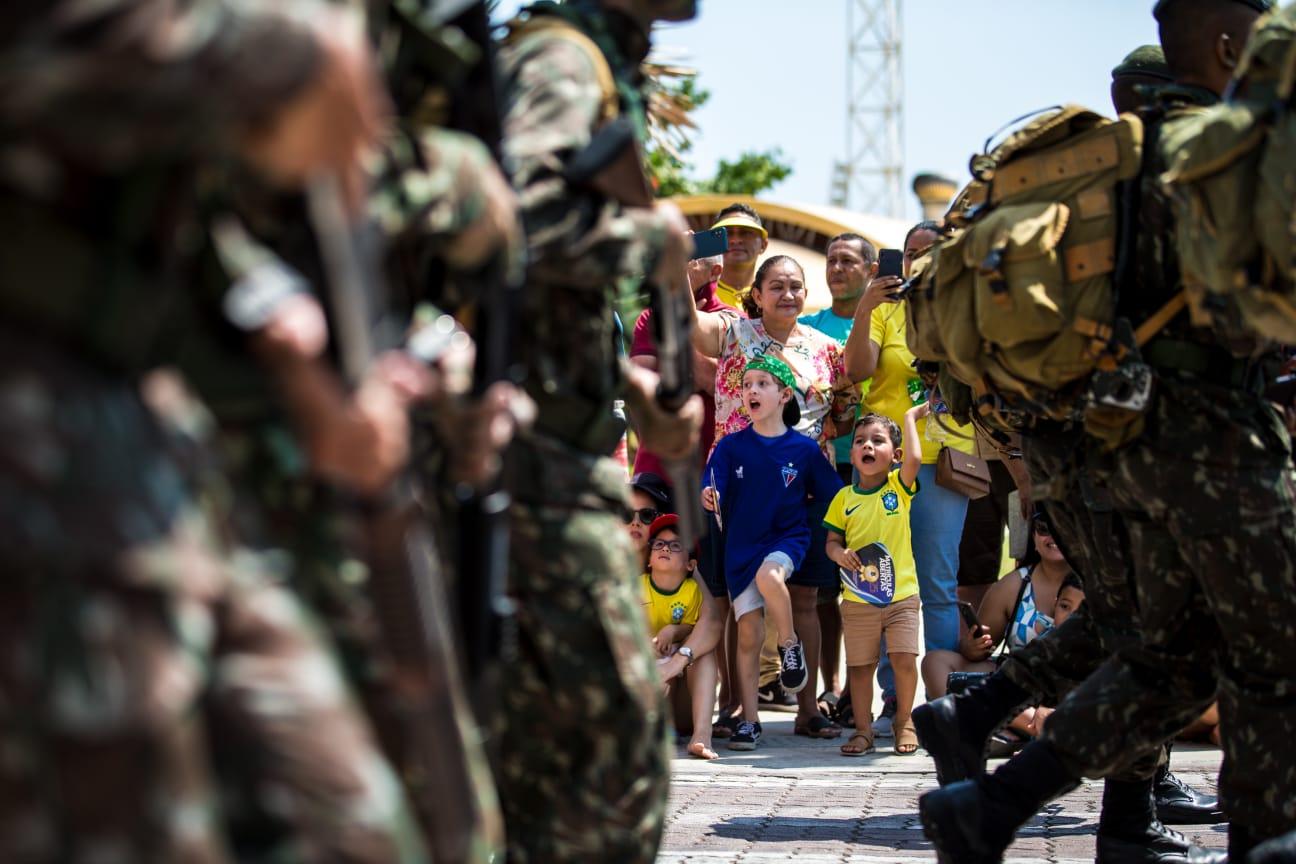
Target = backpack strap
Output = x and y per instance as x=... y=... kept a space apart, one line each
x=610 y=103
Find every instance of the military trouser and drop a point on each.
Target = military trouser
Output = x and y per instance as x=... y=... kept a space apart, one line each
x=1206 y=498
x=583 y=763
x=1069 y=479
x=128 y=630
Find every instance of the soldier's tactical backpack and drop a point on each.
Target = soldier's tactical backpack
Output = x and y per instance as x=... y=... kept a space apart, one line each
x=1017 y=300
x=1231 y=179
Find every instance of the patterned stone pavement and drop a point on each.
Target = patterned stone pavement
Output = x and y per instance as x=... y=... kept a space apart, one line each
x=796 y=799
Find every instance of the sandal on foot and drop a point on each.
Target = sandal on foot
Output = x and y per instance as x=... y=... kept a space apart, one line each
x=906 y=739
x=725 y=727
x=698 y=750
x=864 y=746
x=817 y=727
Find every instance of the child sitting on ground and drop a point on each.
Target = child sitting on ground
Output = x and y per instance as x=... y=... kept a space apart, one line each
x=673 y=602
x=868 y=538
x=758 y=480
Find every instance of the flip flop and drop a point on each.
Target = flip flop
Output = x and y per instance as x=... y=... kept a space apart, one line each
x=818 y=727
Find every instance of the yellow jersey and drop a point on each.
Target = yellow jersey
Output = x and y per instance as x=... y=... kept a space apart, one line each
x=681 y=606
x=875 y=523
x=896 y=386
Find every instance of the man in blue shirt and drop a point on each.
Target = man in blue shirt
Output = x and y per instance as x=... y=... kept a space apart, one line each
x=849 y=267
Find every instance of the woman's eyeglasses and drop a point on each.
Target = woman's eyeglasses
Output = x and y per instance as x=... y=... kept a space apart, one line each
x=672 y=545
x=645 y=515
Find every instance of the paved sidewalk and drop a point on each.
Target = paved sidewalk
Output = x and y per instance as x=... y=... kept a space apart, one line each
x=797 y=799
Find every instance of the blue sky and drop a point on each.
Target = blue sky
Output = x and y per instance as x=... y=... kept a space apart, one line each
x=777 y=75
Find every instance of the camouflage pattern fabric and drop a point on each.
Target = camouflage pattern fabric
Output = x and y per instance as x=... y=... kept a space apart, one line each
x=582 y=763
x=1216 y=581
x=135 y=632
x=1069 y=477
x=131 y=629
x=1206 y=498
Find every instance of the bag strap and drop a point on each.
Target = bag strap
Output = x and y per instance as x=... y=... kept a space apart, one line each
x=1005 y=648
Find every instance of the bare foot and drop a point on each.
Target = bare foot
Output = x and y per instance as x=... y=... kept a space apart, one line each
x=702 y=750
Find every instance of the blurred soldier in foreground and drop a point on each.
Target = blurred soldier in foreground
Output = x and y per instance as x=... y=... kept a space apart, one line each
x=583 y=767
x=129 y=620
x=1205 y=494
x=1070 y=474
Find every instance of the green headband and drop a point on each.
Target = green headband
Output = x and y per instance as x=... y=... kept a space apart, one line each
x=781 y=371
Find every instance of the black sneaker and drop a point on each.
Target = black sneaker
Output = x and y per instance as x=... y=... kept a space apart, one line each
x=747 y=736
x=793 y=675
x=772 y=697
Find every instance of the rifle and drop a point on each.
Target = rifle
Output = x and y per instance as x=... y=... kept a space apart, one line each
x=425 y=707
x=612 y=164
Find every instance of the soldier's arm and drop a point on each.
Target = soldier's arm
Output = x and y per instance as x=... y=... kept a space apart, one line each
x=576 y=236
x=118 y=81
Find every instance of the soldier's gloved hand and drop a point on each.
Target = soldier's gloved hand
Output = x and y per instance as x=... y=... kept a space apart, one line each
x=337 y=118
x=669 y=435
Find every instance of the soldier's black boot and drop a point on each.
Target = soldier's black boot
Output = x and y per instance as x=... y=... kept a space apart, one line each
x=1177 y=803
x=1130 y=833
x=954 y=730
x=973 y=821
x=1242 y=840
x=1279 y=850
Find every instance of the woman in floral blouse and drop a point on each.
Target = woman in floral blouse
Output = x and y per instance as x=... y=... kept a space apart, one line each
x=827 y=399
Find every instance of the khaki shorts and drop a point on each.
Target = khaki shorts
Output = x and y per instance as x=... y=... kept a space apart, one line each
x=863 y=626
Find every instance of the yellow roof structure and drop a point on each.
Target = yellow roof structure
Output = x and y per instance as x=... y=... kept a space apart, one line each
x=801 y=231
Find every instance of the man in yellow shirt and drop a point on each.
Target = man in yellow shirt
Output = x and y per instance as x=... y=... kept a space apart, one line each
x=748 y=241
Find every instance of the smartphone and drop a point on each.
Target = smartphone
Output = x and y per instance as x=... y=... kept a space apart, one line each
x=1282 y=390
x=709 y=243
x=890 y=262
x=969 y=616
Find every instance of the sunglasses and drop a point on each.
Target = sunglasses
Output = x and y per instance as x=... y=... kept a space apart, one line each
x=1043 y=528
x=645 y=515
x=673 y=546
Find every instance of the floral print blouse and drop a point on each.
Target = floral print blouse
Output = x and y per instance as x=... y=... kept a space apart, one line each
x=823 y=391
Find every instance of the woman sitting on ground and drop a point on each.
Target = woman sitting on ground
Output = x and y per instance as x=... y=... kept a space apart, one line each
x=1019 y=608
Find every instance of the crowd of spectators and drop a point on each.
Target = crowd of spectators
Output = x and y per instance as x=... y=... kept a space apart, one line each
x=825 y=519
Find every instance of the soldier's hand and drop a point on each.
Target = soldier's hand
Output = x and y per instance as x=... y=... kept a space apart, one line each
x=669 y=435
x=496 y=228
x=478 y=431
x=337 y=117
x=297 y=327
x=367 y=442
x=672 y=265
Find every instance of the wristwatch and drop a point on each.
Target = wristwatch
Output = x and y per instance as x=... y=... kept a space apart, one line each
x=687 y=653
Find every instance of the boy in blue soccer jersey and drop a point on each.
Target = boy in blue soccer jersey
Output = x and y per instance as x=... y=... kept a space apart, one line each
x=758 y=480
x=869 y=539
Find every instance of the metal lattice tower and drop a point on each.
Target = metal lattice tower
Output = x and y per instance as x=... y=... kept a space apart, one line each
x=870 y=179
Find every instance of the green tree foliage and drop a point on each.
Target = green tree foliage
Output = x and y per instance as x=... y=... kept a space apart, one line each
x=752 y=172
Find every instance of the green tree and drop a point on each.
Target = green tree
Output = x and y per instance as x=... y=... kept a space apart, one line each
x=675 y=96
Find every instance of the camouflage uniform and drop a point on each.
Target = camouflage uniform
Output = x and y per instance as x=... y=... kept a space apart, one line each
x=1205 y=494
x=131 y=625
x=583 y=762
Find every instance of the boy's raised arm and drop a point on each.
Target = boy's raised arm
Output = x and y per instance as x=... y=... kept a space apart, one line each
x=912 y=446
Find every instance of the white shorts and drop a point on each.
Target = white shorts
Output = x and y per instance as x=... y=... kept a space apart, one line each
x=750 y=599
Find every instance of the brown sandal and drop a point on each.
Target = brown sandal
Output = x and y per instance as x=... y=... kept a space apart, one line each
x=865 y=747
x=906 y=739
